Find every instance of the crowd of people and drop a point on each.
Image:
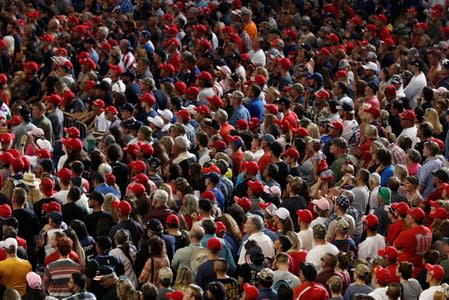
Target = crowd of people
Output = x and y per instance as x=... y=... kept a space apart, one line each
x=221 y=150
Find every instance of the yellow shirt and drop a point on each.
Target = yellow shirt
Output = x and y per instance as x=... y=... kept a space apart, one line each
x=13 y=271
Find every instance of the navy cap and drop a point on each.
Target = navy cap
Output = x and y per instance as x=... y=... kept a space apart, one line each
x=146 y=34
x=127 y=107
x=213 y=177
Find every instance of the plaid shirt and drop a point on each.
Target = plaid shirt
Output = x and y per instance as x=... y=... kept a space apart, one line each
x=82 y=295
x=398 y=155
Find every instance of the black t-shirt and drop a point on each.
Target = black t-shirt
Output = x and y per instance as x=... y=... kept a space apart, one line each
x=292 y=204
x=232 y=288
x=99 y=223
x=28 y=224
x=111 y=293
x=133 y=227
x=72 y=211
x=120 y=171
x=284 y=170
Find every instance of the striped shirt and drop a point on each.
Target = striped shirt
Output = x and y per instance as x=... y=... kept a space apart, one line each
x=58 y=274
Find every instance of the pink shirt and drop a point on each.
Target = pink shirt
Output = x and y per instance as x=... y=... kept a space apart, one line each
x=413 y=169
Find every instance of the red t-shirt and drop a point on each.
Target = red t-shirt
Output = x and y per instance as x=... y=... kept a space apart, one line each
x=237 y=162
x=264 y=161
x=55 y=256
x=175 y=60
x=292 y=119
x=412 y=244
x=395 y=229
x=392 y=268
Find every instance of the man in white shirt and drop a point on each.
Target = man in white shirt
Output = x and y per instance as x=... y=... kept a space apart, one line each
x=305 y=233
x=101 y=123
x=321 y=247
x=374 y=242
x=253 y=227
x=408 y=125
x=257 y=55
x=414 y=88
x=382 y=279
x=435 y=274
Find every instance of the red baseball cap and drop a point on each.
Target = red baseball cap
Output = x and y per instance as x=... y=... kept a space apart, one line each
x=208 y=195
x=389 y=252
x=322 y=94
x=138 y=165
x=436 y=271
x=401 y=208
x=180 y=86
x=284 y=63
x=3 y=78
x=6 y=138
x=172 y=219
x=214 y=244
x=337 y=124
x=256 y=186
x=5 y=211
x=184 y=114
x=291 y=152
x=98 y=102
x=243 y=202
x=43 y=153
x=304 y=215
x=221 y=227
x=439 y=213
x=383 y=275
x=371 y=221
x=251 y=167
x=169 y=68
x=111 y=109
x=333 y=37
x=203 y=109
x=137 y=188
x=382 y=18
x=122 y=206
x=373 y=110
x=31 y=66
x=390 y=90
x=408 y=115
x=219 y=145
x=148 y=98
x=193 y=90
x=132 y=149
x=146 y=148
x=110 y=178
x=74 y=144
x=51 y=206
x=417 y=214
x=65 y=173
x=251 y=292
x=215 y=100
x=212 y=168
x=141 y=178
x=14 y=121
x=53 y=98
x=48 y=186
x=241 y=124
x=272 y=108
x=204 y=75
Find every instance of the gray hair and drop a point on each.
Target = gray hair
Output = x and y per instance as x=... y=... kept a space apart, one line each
x=161 y=197
x=374 y=178
x=104 y=30
x=257 y=222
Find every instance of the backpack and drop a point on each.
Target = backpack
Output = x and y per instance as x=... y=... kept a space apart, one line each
x=281 y=282
x=199 y=256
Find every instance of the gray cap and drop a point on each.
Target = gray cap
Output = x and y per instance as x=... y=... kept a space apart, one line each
x=343 y=64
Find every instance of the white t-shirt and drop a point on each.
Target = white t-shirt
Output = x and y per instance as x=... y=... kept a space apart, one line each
x=370 y=247
x=101 y=124
x=413 y=90
x=264 y=242
x=306 y=238
x=379 y=293
x=258 y=57
x=411 y=132
x=316 y=253
x=428 y=293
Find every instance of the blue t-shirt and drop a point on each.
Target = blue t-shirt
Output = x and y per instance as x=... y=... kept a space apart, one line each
x=386 y=173
x=255 y=108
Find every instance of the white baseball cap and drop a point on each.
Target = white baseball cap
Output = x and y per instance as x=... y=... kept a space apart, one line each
x=156 y=121
x=370 y=66
x=282 y=213
x=166 y=114
x=44 y=144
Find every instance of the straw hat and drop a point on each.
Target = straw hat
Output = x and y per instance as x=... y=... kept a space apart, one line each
x=30 y=179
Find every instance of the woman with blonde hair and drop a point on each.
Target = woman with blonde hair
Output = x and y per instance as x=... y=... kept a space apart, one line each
x=431 y=116
x=189 y=210
x=107 y=206
x=297 y=254
x=171 y=201
x=124 y=288
x=184 y=278
x=314 y=131
x=371 y=134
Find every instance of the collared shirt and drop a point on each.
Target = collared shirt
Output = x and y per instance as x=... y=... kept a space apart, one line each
x=398 y=155
x=240 y=113
x=425 y=176
x=82 y=295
